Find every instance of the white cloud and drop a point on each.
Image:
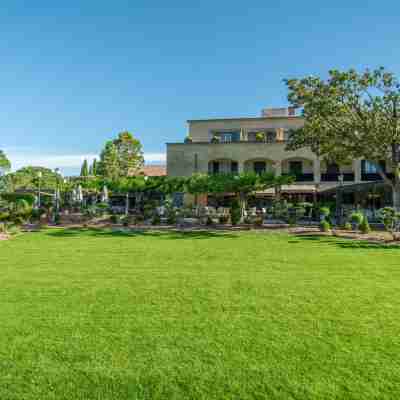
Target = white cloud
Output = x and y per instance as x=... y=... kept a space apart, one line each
x=155 y=158
x=69 y=163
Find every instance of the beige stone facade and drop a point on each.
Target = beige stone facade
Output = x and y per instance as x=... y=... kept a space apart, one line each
x=241 y=147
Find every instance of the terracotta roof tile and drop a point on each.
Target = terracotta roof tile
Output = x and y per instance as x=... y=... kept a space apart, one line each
x=153 y=170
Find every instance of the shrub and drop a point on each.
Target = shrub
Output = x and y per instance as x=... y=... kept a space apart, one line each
x=4 y=215
x=258 y=221
x=295 y=213
x=356 y=219
x=391 y=219
x=324 y=212
x=91 y=211
x=235 y=212
x=347 y=226
x=102 y=208
x=364 y=226
x=37 y=214
x=171 y=217
x=156 y=220
x=125 y=220
x=325 y=226
x=280 y=209
x=292 y=220
x=138 y=219
x=115 y=219
x=223 y=219
x=13 y=229
x=209 y=221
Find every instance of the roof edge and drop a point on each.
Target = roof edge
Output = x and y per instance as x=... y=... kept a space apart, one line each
x=245 y=119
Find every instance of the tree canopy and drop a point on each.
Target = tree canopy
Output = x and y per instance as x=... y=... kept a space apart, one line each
x=27 y=178
x=349 y=116
x=121 y=157
x=5 y=163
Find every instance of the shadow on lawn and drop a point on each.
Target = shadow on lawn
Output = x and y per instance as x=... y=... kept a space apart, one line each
x=344 y=243
x=175 y=235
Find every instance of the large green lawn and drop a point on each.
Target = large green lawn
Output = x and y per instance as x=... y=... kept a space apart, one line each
x=102 y=315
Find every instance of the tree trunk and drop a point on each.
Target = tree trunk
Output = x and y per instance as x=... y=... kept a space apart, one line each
x=242 y=203
x=396 y=186
x=396 y=195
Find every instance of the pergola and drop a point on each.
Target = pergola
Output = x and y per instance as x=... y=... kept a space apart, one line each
x=364 y=195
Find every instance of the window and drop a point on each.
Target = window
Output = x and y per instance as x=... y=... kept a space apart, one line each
x=215 y=167
x=271 y=137
x=223 y=167
x=227 y=137
x=295 y=167
x=368 y=167
x=234 y=167
x=333 y=168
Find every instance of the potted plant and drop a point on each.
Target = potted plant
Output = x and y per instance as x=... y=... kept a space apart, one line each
x=364 y=226
x=356 y=219
x=325 y=226
x=260 y=136
x=324 y=213
x=188 y=139
x=215 y=139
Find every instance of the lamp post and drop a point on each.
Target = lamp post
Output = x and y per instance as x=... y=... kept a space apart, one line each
x=127 y=204
x=57 y=191
x=339 y=200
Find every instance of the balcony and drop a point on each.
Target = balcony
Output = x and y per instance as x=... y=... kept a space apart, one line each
x=329 y=177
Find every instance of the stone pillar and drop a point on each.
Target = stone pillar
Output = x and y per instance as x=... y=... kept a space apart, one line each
x=280 y=134
x=317 y=170
x=240 y=166
x=357 y=171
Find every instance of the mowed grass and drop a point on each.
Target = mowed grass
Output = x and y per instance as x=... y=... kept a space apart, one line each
x=103 y=315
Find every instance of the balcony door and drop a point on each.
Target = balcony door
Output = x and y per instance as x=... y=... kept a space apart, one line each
x=260 y=167
x=295 y=168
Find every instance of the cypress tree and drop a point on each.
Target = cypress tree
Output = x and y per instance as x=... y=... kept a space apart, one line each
x=85 y=169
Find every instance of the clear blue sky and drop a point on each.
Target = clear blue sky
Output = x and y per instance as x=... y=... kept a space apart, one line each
x=74 y=75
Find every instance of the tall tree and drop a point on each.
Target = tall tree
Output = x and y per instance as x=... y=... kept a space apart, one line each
x=94 y=167
x=85 y=168
x=5 y=164
x=121 y=157
x=349 y=116
x=109 y=164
